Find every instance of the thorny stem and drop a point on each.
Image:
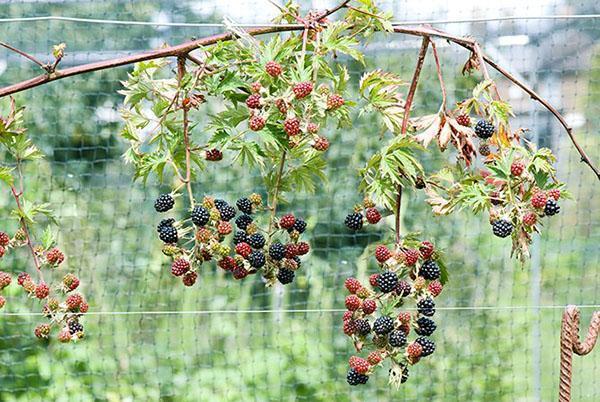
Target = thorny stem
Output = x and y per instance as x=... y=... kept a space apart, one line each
x=397 y=213
x=439 y=74
x=414 y=82
x=186 y=137
x=275 y=196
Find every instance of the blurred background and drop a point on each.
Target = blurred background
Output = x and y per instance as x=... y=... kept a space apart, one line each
x=498 y=327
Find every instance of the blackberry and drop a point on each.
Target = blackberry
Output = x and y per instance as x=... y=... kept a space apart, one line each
x=502 y=227
x=363 y=327
x=240 y=237
x=426 y=306
x=427 y=344
x=397 y=339
x=298 y=261
x=244 y=205
x=200 y=216
x=484 y=129
x=425 y=326
x=165 y=223
x=355 y=378
x=383 y=325
x=164 y=202
x=256 y=259
x=219 y=203
x=285 y=276
x=243 y=221
x=403 y=288
x=168 y=234
x=387 y=281
x=227 y=212
x=277 y=251
x=299 y=226
x=551 y=207
x=257 y=240
x=429 y=270
x=75 y=327
x=404 y=375
x=354 y=221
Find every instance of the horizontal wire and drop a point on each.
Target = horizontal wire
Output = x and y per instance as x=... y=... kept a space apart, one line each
x=302 y=311
x=218 y=25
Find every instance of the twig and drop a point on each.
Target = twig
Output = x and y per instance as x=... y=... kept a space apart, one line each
x=330 y=11
x=439 y=74
x=284 y=11
x=358 y=10
x=397 y=213
x=186 y=137
x=484 y=71
x=24 y=54
x=273 y=205
x=413 y=85
x=194 y=59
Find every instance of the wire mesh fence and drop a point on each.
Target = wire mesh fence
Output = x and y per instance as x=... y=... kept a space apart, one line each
x=223 y=340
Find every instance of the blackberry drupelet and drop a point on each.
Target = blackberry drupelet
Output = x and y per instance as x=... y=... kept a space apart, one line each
x=257 y=240
x=227 y=212
x=383 y=325
x=240 y=237
x=164 y=202
x=285 y=276
x=426 y=306
x=425 y=326
x=200 y=215
x=429 y=270
x=387 y=281
x=397 y=339
x=484 y=129
x=244 y=205
x=75 y=327
x=256 y=259
x=551 y=207
x=355 y=378
x=165 y=223
x=354 y=221
x=168 y=234
x=363 y=327
x=427 y=344
x=502 y=227
x=299 y=226
x=243 y=221
x=277 y=251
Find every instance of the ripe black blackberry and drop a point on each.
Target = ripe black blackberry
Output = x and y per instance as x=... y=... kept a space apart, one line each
x=387 y=281
x=551 y=207
x=426 y=306
x=244 y=205
x=502 y=227
x=363 y=327
x=285 y=276
x=200 y=215
x=425 y=326
x=227 y=212
x=277 y=251
x=75 y=327
x=240 y=237
x=430 y=270
x=383 y=325
x=354 y=221
x=257 y=240
x=219 y=203
x=256 y=259
x=397 y=339
x=355 y=378
x=427 y=344
x=484 y=129
x=168 y=234
x=299 y=226
x=404 y=375
x=165 y=223
x=164 y=202
x=243 y=221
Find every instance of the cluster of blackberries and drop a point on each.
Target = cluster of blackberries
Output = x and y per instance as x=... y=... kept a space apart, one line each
x=363 y=212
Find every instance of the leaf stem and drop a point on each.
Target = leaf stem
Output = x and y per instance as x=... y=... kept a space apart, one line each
x=439 y=74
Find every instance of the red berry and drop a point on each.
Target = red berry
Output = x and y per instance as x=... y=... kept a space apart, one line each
x=253 y=101
x=256 y=123
x=373 y=215
x=312 y=128
x=530 y=218
x=281 y=105
x=411 y=256
x=374 y=358
x=382 y=253
x=292 y=126
x=350 y=327
x=213 y=155
x=180 y=266
x=42 y=290
x=243 y=249
x=256 y=86
x=538 y=200
x=190 y=278
x=554 y=193
x=426 y=249
x=5 y=280
x=287 y=221
x=2 y=251
x=334 y=101
x=414 y=350
x=42 y=330
x=273 y=68
x=369 y=306
x=22 y=277
x=435 y=288
x=321 y=144
x=352 y=302
x=224 y=228
x=2 y=301
x=463 y=120
x=55 y=257
x=64 y=336
x=347 y=315
x=404 y=317
x=239 y=272
x=517 y=169
x=303 y=248
x=228 y=262
x=353 y=285
x=291 y=250
x=84 y=307
x=373 y=280
x=73 y=301
x=4 y=239
x=302 y=89
x=359 y=364
x=70 y=282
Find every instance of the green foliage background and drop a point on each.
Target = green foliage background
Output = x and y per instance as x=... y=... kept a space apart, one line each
x=107 y=231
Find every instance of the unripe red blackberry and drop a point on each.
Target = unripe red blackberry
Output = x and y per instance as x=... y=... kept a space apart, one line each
x=538 y=200
x=334 y=101
x=517 y=169
x=320 y=144
x=180 y=266
x=2 y=251
x=73 y=301
x=463 y=120
x=282 y=106
x=530 y=218
x=243 y=249
x=382 y=253
x=374 y=358
x=352 y=302
x=350 y=327
x=55 y=257
x=291 y=126
x=227 y=263
x=312 y=128
x=291 y=250
x=70 y=282
x=239 y=272
x=554 y=194
x=347 y=316
x=273 y=68
x=84 y=307
x=435 y=288
x=42 y=331
x=224 y=228
x=190 y=278
x=213 y=155
x=22 y=277
x=2 y=301
x=253 y=101
x=373 y=280
x=411 y=256
x=359 y=364
x=303 y=248
x=426 y=249
x=414 y=350
x=369 y=306
x=256 y=86
x=42 y=290
x=64 y=336
x=287 y=221
x=404 y=317
x=5 y=280
x=4 y=239
x=352 y=284
x=373 y=216
x=302 y=89
x=256 y=123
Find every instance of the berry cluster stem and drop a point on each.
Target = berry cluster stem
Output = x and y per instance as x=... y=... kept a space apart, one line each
x=438 y=68
x=397 y=214
x=414 y=82
x=275 y=195
x=186 y=136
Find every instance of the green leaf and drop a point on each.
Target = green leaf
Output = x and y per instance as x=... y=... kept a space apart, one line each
x=6 y=175
x=48 y=239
